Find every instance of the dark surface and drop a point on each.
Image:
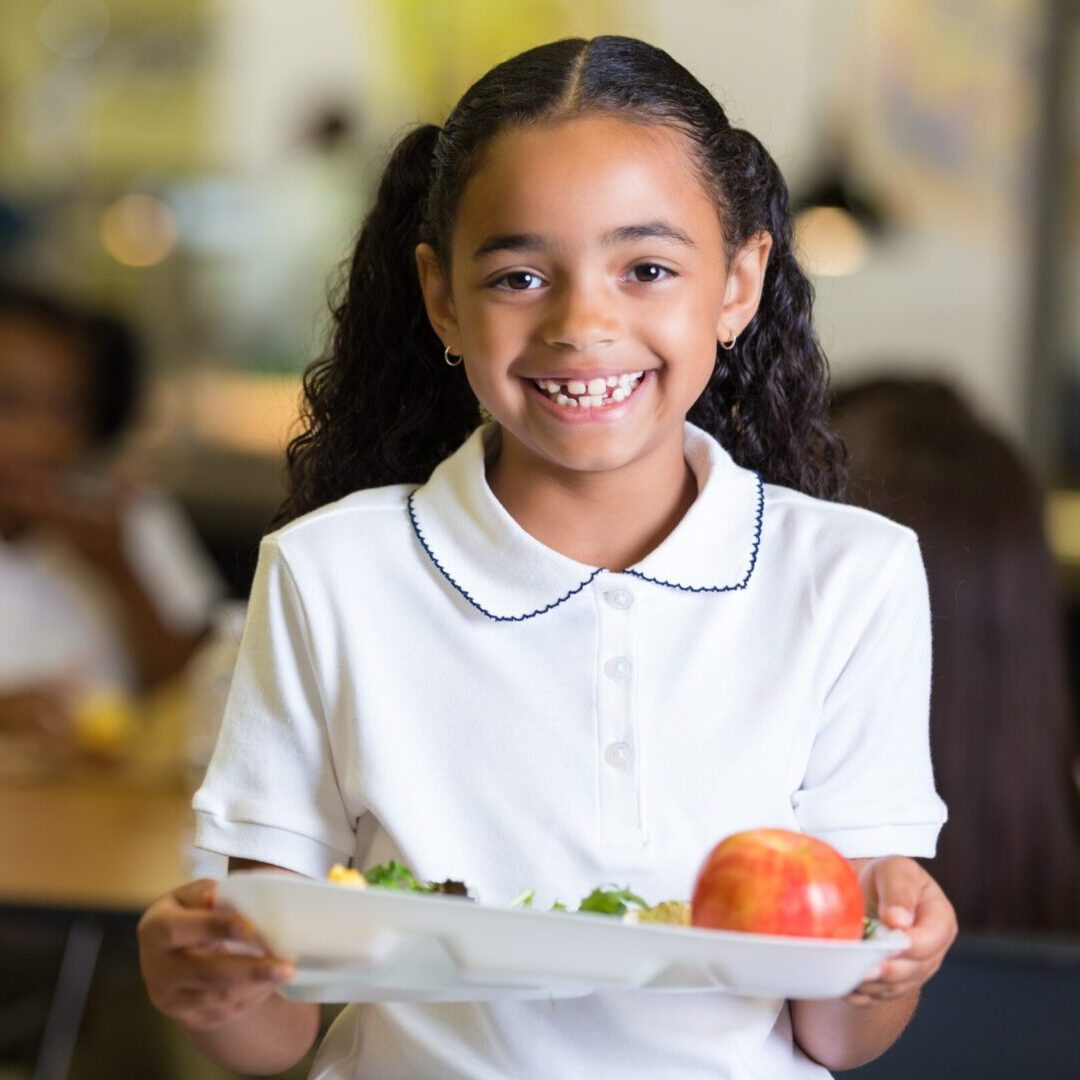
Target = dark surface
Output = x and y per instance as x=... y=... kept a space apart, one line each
x=997 y=1010
x=121 y=1036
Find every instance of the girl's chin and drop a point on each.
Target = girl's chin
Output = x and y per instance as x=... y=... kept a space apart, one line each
x=595 y=449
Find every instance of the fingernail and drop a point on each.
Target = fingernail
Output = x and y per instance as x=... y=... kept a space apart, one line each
x=899 y=916
x=875 y=974
x=281 y=972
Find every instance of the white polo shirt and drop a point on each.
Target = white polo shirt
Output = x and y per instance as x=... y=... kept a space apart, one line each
x=60 y=617
x=421 y=679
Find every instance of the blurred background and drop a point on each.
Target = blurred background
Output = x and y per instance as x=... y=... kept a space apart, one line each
x=198 y=169
x=202 y=167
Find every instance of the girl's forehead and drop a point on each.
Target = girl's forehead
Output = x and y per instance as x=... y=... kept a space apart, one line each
x=584 y=176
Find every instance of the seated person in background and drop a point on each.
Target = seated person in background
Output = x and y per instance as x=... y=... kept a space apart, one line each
x=103 y=587
x=1001 y=731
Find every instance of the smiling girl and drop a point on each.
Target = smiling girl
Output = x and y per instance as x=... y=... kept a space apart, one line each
x=586 y=639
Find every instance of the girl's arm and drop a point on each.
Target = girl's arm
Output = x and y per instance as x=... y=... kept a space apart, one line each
x=95 y=526
x=226 y=1004
x=160 y=651
x=843 y=1034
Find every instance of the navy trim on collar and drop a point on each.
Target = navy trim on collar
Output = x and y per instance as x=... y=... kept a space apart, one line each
x=509 y=576
x=472 y=599
x=721 y=588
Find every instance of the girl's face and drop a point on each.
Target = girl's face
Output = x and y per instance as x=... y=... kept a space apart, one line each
x=588 y=289
x=44 y=415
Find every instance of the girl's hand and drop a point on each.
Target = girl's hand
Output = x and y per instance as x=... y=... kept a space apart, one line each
x=905 y=897
x=91 y=518
x=89 y=513
x=191 y=974
x=42 y=713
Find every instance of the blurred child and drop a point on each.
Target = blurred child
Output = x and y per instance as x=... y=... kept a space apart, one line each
x=1001 y=730
x=103 y=586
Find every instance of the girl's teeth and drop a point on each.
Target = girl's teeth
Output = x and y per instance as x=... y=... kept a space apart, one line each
x=593 y=394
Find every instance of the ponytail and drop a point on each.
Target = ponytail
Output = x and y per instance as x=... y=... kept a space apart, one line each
x=380 y=407
x=767 y=401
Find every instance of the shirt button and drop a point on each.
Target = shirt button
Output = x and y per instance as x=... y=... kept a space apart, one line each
x=619 y=598
x=617 y=755
x=618 y=668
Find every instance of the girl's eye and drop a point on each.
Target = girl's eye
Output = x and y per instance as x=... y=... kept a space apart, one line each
x=519 y=281
x=649 y=272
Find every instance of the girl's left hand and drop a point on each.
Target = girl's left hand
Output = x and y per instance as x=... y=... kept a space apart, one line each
x=905 y=897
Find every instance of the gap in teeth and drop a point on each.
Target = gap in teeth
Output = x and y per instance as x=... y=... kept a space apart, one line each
x=576 y=393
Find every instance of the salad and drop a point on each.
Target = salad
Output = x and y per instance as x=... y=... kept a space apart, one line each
x=606 y=900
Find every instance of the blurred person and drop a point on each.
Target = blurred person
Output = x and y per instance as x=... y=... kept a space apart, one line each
x=103 y=585
x=1001 y=733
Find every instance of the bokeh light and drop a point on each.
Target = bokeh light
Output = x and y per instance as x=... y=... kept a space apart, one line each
x=830 y=242
x=138 y=230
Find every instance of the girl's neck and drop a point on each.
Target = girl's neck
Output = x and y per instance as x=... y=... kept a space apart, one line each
x=611 y=519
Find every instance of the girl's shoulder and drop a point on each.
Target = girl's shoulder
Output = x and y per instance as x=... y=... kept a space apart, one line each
x=356 y=516
x=831 y=528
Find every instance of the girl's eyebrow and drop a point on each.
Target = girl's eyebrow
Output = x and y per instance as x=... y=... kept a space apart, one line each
x=624 y=234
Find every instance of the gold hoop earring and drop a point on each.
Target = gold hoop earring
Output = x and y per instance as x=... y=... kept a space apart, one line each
x=727 y=346
x=447 y=354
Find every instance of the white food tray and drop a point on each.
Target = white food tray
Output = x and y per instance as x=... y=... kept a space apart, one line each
x=379 y=945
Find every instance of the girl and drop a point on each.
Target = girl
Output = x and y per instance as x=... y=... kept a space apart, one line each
x=584 y=641
x=101 y=586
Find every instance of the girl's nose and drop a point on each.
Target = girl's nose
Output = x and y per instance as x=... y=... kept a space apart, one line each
x=580 y=318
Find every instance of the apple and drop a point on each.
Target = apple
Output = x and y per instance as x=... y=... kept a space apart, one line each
x=775 y=881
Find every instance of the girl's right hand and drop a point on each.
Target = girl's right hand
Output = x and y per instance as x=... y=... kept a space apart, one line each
x=191 y=973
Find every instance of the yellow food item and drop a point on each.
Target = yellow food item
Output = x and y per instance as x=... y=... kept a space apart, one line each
x=671 y=912
x=347 y=875
x=105 y=720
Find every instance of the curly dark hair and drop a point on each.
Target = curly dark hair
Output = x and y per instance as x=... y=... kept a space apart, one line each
x=379 y=407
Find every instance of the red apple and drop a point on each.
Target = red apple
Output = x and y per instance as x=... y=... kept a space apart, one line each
x=774 y=881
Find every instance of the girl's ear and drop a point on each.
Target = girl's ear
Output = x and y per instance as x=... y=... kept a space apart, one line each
x=745 y=281
x=437 y=299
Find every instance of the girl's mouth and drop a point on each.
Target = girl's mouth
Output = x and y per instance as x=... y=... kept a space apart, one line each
x=595 y=393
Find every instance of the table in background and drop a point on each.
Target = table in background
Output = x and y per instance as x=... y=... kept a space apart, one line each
x=84 y=846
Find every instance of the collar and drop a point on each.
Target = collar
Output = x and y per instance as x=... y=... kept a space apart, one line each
x=509 y=576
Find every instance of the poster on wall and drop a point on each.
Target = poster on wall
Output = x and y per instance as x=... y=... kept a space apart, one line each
x=946 y=109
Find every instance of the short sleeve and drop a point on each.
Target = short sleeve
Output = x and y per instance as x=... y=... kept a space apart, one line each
x=868 y=788
x=271 y=791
